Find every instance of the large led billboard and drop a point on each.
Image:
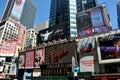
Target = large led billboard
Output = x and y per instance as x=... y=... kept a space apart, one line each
x=17 y=9
x=109 y=48
x=8 y=48
x=93 y=21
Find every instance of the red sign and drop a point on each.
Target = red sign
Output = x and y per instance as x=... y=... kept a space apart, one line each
x=7 y=48
x=29 y=59
x=57 y=55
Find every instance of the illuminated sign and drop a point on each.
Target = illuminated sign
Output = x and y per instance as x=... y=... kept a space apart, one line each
x=55 y=71
x=57 y=55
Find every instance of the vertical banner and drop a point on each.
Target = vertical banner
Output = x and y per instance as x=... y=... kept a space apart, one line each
x=109 y=48
x=2 y=60
x=39 y=57
x=29 y=59
x=21 y=60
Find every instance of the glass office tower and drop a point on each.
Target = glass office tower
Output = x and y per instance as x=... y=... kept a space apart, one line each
x=64 y=12
x=85 y=4
x=20 y=10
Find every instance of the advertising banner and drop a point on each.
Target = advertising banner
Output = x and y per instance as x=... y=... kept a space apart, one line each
x=17 y=9
x=109 y=48
x=2 y=60
x=92 y=22
x=87 y=64
x=39 y=57
x=8 y=48
x=21 y=60
x=29 y=59
x=86 y=46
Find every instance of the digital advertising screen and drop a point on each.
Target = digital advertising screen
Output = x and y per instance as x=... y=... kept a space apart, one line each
x=92 y=21
x=109 y=48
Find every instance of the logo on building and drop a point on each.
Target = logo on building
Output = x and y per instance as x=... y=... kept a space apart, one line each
x=19 y=2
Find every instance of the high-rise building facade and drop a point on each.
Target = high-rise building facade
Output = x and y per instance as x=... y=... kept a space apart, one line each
x=85 y=4
x=20 y=10
x=64 y=12
x=118 y=12
x=11 y=37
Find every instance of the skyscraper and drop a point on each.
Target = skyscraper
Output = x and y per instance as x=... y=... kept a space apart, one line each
x=85 y=4
x=118 y=12
x=20 y=10
x=64 y=12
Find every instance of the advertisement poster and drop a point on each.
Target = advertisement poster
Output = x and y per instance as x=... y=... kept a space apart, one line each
x=17 y=9
x=87 y=64
x=86 y=46
x=29 y=59
x=39 y=58
x=21 y=60
x=93 y=21
x=13 y=69
x=109 y=48
x=2 y=60
x=8 y=48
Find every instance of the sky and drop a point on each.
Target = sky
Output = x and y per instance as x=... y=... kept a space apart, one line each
x=42 y=13
x=43 y=9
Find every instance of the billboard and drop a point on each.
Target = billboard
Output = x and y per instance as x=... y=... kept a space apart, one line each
x=21 y=60
x=60 y=53
x=17 y=9
x=29 y=59
x=87 y=64
x=109 y=48
x=86 y=46
x=8 y=48
x=51 y=34
x=92 y=21
x=2 y=60
x=39 y=57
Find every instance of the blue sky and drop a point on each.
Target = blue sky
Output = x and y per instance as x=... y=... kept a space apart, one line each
x=43 y=9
